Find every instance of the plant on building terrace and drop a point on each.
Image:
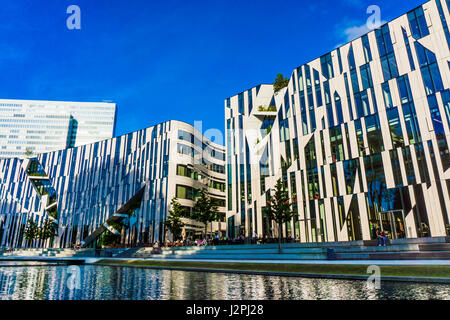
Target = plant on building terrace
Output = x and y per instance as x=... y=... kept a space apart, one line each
x=280 y=83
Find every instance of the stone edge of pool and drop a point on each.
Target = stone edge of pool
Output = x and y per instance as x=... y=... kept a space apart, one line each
x=330 y=274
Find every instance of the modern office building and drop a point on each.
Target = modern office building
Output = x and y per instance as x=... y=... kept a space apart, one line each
x=44 y=126
x=359 y=137
x=124 y=184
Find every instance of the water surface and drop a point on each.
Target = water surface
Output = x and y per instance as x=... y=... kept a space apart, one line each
x=53 y=282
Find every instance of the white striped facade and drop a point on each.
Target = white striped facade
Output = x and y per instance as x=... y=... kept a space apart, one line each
x=93 y=182
x=359 y=136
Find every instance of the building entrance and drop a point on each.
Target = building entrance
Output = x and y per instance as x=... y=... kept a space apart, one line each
x=393 y=223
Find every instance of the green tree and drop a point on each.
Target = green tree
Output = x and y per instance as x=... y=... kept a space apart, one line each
x=173 y=222
x=280 y=83
x=49 y=230
x=205 y=209
x=28 y=153
x=31 y=232
x=279 y=209
x=109 y=238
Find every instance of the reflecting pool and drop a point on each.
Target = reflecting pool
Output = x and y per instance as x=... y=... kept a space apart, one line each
x=87 y=282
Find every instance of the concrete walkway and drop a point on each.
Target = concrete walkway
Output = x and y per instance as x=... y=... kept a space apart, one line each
x=329 y=262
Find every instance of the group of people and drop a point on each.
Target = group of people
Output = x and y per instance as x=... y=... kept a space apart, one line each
x=189 y=242
x=214 y=241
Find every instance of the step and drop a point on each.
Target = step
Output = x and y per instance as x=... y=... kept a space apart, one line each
x=249 y=257
x=435 y=247
x=441 y=255
x=388 y=248
x=374 y=243
x=428 y=240
x=247 y=251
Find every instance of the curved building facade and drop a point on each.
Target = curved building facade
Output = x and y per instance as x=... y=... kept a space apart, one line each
x=127 y=181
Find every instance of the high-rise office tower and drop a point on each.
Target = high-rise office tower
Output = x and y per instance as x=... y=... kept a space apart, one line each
x=34 y=127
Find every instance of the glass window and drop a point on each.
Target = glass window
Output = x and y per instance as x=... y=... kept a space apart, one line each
x=424 y=55
x=374 y=101
x=296 y=150
x=250 y=101
x=359 y=137
x=182 y=171
x=380 y=42
x=317 y=88
x=384 y=40
x=183 y=149
x=351 y=58
x=385 y=68
x=408 y=50
x=185 y=136
x=308 y=76
x=362 y=104
x=300 y=79
x=349 y=100
x=393 y=65
x=432 y=80
x=374 y=136
x=436 y=116
x=337 y=148
x=436 y=77
x=339 y=60
x=417 y=23
x=412 y=125
x=326 y=90
x=284 y=130
x=340 y=116
x=427 y=81
x=387 y=95
x=389 y=66
x=351 y=169
x=395 y=128
x=327 y=66
x=366 y=76
x=366 y=47
x=312 y=119
x=388 y=62
x=241 y=103
x=375 y=177
x=409 y=167
x=330 y=115
x=182 y=192
x=404 y=89
x=395 y=162
x=304 y=123
x=443 y=20
x=355 y=83
x=445 y=95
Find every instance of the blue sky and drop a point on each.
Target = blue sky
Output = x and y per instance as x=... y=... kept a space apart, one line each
x=161 y=60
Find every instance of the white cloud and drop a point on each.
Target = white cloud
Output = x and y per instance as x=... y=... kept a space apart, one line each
x=353 y=32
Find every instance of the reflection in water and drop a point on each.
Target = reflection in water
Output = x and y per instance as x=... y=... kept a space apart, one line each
x=121 y=283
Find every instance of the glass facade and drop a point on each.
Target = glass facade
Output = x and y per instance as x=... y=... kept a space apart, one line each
x=34 y=127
